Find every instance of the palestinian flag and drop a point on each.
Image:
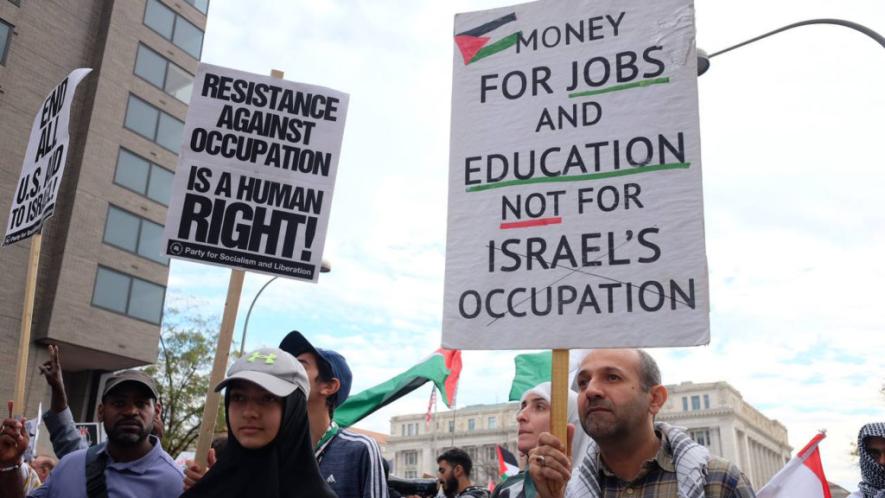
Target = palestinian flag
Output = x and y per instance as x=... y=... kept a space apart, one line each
x=531 y=370
x=442 y=368
x=474 y=43
x=508 y=465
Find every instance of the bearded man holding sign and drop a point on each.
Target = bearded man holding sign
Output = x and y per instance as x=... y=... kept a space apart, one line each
x=619 y=394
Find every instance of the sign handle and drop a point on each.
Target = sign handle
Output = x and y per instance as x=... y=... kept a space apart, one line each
x=559 y=395
x=222 y=352
x=24 y=341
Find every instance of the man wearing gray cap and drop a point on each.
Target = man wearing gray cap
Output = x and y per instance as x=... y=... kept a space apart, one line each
x=130 y=463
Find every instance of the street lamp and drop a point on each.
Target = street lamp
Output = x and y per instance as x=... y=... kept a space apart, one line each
x=325 y=267
x=704 y=59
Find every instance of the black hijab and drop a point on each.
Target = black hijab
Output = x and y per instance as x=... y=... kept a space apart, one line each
x=286 y=467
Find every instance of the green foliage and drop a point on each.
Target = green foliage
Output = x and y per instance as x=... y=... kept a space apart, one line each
x=187 y=350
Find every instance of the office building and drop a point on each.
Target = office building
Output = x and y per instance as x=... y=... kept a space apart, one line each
x=102 y=270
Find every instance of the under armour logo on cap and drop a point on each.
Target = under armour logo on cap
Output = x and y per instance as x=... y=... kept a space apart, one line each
x=269 y=359
x=273 y=369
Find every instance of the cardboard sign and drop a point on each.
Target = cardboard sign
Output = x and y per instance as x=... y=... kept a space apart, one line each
x=44 y=163
x=575 y=213
x=253 y=188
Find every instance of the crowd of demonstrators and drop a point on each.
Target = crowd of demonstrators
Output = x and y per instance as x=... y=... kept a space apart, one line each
x=619 y=394
x=454 y=470
x=871 y=449
x=130 y=463
x=268 y=450
x=282 y=440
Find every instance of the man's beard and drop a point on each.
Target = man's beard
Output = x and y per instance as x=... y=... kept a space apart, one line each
x=128 y=438
x=450 y=487
x=614 y=425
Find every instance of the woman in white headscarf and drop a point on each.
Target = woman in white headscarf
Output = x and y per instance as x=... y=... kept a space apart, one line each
x=533 y=418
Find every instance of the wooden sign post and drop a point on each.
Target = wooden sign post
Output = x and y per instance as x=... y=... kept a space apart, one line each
x=24 y=340
x=222 y=352
x=559 y=396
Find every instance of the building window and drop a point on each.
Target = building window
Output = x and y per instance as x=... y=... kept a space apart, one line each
x=492 y=423
x=131 y=296
x=684 y=404
x=5 y=36
x=471 y=424
x=491 y=453
x=143 y=177
x=135 y=234
x=410 y=457
x=411 y=474
x=706 y=401
x=701 y=437
x=163 y=74
x=403 y=430
x=201 y=5
x=174 y=28
x=153 y=124
x=695 y=402
x=451 y=426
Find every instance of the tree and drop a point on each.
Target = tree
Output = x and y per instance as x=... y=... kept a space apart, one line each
x=184 y=362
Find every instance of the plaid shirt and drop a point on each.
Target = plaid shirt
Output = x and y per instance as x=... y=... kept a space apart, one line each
x=657 y=479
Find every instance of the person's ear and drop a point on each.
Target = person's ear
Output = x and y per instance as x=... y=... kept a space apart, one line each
x=329 y=388
x=659 y=397
x=458 y=471
x=101 y=412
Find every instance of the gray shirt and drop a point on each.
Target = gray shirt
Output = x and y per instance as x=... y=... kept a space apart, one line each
x=63 y=433
x=154 y=475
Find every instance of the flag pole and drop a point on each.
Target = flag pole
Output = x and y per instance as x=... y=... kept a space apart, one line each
x=559 y=395
x=24 y=340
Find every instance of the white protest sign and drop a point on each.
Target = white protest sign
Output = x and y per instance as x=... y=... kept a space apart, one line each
x=575 y=212
x=44 y=164
x=256 y=172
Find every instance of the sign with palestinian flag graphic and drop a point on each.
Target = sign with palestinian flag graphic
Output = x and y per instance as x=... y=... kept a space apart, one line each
x=575 y=215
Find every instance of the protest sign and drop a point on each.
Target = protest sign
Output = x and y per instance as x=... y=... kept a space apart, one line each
x=44 y=163
x=575 y=213
x=256 y=172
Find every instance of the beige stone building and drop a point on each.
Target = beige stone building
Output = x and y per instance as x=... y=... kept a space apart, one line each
x=715 y=415
x=102 y=272
x=413 y=445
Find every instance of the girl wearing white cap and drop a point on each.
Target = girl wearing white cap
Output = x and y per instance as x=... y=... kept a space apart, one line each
x=268 y=451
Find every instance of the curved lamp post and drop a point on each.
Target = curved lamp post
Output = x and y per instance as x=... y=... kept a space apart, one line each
x=325 y=267
x=704 y=59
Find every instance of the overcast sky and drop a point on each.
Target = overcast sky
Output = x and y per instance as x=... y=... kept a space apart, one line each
x=792 y=141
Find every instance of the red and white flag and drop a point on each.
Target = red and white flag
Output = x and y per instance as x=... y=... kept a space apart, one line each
x=801 y=477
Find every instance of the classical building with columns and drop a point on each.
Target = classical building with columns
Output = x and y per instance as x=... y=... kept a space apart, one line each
x=414 y=444
x=714 y=413
x=717 y=416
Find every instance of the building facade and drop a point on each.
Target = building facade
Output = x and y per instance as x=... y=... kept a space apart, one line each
x=414 y=444
x=717 y=416
x=102 y=271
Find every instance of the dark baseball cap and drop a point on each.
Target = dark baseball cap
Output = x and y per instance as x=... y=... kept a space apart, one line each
x=331 y=361
x=273 y=369
x=136 y=376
